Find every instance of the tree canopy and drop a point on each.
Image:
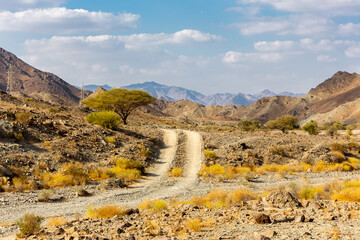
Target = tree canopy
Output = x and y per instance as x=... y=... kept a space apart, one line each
x=284 y=123
x=119 y=100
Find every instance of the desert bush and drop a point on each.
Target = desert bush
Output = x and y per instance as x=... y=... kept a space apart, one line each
x=194 y=225
x=29 y=224
x=311 y=128
x=45 y=195
x=310 y=192
x=175 y=172
x=56 y=221
x=222 y=199
x=106 y=119
x=108 y=211
x=210 y=154
x=124 y=169
x=24 y=118
x=283 y=123
x=129 y=164
x=249 y=126
x=70 y=174
x=154 y=205
x=19 y=184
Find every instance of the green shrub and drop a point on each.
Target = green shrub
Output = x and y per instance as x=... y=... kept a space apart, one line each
x=311 y=128
x=106 y=119
x=249 y=126
x=23 y=118
x=283 y=123
x=29 y=224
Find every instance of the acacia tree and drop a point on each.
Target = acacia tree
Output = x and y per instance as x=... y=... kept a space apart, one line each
x=119 y=100
x=283 y=123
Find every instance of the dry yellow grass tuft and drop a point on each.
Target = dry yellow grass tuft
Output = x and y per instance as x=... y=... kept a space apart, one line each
x=194 y=225
x=222 y=199
x=105 y=212
x=154 y=205
x=56 y=221
x=210 y=154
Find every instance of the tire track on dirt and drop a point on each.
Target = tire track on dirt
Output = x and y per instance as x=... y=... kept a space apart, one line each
x=155 y=185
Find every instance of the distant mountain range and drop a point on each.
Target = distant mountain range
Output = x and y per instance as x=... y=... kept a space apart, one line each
x=172 y=93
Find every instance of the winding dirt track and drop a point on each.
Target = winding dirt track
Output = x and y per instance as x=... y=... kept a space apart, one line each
x=156 y=185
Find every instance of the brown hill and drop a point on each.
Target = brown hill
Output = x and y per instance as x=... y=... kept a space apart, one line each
x=30 y=82
x=336 y=99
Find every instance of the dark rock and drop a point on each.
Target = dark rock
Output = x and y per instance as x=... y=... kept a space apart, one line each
x=262 y=219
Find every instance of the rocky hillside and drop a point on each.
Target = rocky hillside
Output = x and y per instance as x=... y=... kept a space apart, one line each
x=336 y=99
x=28 y=81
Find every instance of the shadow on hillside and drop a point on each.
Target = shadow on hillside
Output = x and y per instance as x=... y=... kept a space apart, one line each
x=132 y=134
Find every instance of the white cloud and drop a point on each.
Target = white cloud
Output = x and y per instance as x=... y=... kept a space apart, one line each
x=349 y=29
x=325 y=59
x=130 y=42
x=303 y=45
x=333 y=7
x=139 y=57
x=24 y=4
x=63 y=20
x=353 y=51
x=288 y=25
x=237 y=57
x=245 y=10
x=274 y=46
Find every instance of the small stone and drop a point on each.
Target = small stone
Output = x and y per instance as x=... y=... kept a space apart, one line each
x=269 y=233
x=300 y=219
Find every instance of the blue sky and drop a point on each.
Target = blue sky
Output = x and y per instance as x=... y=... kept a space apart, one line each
x=206 y=45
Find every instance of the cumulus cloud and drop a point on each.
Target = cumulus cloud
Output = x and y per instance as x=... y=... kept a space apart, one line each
x=325 y=59
x=130 y=42
x=24 y=4
x=139 y=57
x=333 y=7
x=349 y=29
x=63 y=20
x=303 y=45
x=288 y=25
x=274 y=46
x=353 y=51
x=238 y=57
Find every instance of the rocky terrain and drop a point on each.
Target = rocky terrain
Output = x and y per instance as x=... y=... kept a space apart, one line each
x=28 y=81
x=336 y=99
x=229 y=184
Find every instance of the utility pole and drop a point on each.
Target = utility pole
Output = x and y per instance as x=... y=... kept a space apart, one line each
x=9 y=88
x=82 y=93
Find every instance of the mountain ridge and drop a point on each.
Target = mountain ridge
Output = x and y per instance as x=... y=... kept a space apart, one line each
x=174 y=93
x=28 y=81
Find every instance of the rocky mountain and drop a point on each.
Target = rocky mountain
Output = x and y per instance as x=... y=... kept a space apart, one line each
x=336 y=99
x=27 y=81
x=172 y=93
x=93 y=87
